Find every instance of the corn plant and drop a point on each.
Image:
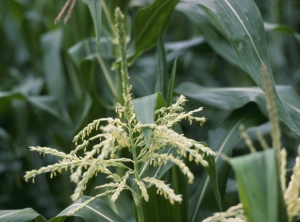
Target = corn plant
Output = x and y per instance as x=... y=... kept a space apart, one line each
x=127 y=133
x=129 y=159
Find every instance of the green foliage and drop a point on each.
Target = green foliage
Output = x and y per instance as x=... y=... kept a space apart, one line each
x=261 y=197
x=57 y=78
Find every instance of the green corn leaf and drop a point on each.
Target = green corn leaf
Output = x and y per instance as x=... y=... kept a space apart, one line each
x=90 y=63
x=44 y=103
x=148 y=23
x=243 y=25
x=160 y=85
x=213 y=38
x=231 y=98
x=95 y=9
x=171 y=84
x=202 y=204
x=259 y=187
x=144 y=109
x=96 y=211
x=180 y=184
x=159 y=209
x=282 y=29
x=55 y=80
x=23 y=215
x=213 y=179
x=88 y=47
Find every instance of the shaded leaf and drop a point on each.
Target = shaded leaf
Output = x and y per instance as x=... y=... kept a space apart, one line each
x=158 y=208
x=201 y=203
x=45 y=103
x=180 y=185
x=87 y=47
x=55 y=80
x=149 y=22
x=283 y=29
x=213 y=179
x=90 y=63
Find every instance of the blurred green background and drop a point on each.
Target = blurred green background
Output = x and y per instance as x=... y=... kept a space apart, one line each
x=50 y=88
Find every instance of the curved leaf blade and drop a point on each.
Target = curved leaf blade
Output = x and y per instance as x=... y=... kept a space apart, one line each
x=96 y=211
x=95 y=9
x=144 y=109
x=44 y=103
x=282 y=29
x=23 y=215
x=243 y=24
x=149 y=22
x=160 y=85
x=214 y=39
x=231 y=98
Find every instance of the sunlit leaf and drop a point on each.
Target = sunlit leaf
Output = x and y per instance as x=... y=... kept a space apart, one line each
x=259 y=187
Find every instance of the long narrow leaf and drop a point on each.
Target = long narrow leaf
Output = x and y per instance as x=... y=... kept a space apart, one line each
x=170 y=91
x=55 y=80
x=213 y=178
x=95 y=9
x=160 y=85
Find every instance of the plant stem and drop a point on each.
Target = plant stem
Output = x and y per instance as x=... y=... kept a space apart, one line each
x=121 y=39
